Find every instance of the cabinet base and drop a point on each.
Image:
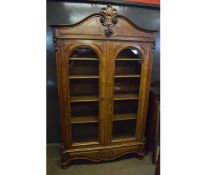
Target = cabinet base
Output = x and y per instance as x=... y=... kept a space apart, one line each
x=100 y=154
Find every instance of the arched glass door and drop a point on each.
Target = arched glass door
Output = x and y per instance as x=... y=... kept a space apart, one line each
x=126 y=93
x=84 y=94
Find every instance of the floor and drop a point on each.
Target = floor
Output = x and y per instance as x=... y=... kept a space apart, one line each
x=127 y=165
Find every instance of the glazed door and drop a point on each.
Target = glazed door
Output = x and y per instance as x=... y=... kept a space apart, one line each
x=125 y=92
x=83 y=66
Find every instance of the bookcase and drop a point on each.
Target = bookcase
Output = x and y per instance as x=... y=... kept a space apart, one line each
x=103 y=73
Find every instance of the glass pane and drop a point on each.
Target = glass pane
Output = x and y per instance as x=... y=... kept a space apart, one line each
x=84 y=109
x=84 y=132
x=84 y=87
x=129 y=52
x=126 y=92
x=83 y=52
x=128 y=67
x=125 y=107
x=126 y=86
x=81 y=67
x=123 y=129
x=84 y=93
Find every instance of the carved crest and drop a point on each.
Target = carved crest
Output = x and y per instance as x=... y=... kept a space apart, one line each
x=108 y=19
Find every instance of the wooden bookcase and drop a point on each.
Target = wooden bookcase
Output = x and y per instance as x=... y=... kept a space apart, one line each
x=103 y=72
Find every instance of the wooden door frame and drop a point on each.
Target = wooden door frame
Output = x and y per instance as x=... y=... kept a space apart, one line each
x=144 y=49
x=66 y=47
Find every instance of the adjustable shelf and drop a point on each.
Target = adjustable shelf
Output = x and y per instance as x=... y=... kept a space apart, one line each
x=127 y=76
x=84 y=119
x=120 y=117
x=83 y=98
x=123 y=138
x=126 y=97
x=82 y=76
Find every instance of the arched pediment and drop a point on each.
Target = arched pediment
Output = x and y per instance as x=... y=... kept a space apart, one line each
x=107 y=24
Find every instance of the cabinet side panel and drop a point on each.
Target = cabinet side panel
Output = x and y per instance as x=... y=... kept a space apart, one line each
x=57 y=44
x=144 y=92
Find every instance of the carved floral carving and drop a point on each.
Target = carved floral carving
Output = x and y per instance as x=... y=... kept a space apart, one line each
x=108 y=19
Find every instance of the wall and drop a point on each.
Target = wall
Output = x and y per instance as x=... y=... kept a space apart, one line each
x=70 y=13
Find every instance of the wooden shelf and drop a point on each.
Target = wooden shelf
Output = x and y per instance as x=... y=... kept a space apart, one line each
x=96 y=98
x=128 y=59
x=84 y=119
x=127 y=76
x=82 y=76
x=83 y=98
x=86 y=142
x=119 y=117
x=123 y=138
x=126 y=97
x=84 y=59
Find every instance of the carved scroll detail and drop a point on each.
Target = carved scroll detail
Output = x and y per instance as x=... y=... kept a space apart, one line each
x=108 y=19
x=106 y=154
x=55 y=44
